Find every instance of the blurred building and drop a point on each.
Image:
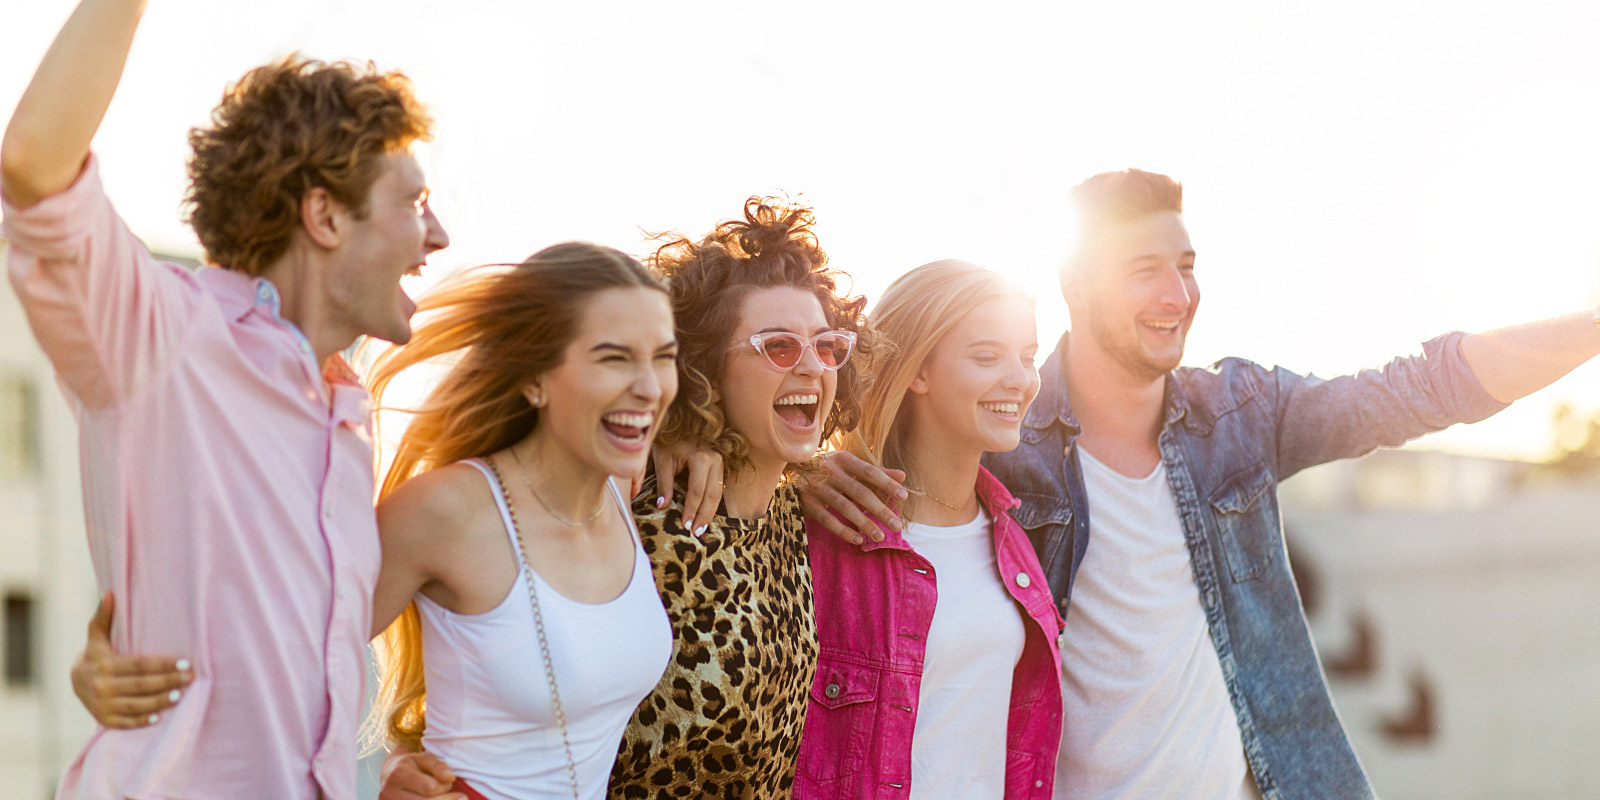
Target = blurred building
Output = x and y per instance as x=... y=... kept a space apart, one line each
x=1456 y=604
x=46 y=582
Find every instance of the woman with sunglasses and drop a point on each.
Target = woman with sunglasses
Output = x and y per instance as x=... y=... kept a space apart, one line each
x=769 y=360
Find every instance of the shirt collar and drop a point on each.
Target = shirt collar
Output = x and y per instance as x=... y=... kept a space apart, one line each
x=1051 y=406
x=240 y=294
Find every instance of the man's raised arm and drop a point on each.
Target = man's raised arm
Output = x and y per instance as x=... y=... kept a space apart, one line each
x=1515 y=362
x=56 y=119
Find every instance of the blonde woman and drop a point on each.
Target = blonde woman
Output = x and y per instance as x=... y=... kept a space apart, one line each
x=938 y=663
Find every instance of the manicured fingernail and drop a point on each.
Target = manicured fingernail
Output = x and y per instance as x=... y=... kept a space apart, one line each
x=172 y=696
x=688 y=524
x=183 y=665
x=894 y=522
x=700 y=531
x=661 y=502
x=154 y=718
x=900 y=493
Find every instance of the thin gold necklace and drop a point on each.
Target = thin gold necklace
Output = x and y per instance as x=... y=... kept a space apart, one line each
x=553 y=512
x=934 y=498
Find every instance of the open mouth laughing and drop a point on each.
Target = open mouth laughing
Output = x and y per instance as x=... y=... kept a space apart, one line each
x=629 y=429
x=798 y=409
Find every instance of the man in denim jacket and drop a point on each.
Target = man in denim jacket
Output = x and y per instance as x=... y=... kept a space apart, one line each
x=1188 y=667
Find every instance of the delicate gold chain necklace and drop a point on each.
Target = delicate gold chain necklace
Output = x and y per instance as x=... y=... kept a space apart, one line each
x=553 y=513
x=934 y=498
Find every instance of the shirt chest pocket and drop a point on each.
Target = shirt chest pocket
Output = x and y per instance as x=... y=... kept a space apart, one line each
x=1246 y=522
x=838 y=730
x=1048 y=523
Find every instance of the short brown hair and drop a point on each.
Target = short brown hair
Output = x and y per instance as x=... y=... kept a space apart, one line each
x=772 y=245
x=282 y=130
x=1114 y=198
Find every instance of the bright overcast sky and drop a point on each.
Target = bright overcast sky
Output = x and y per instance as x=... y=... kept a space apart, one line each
x=1360 y=176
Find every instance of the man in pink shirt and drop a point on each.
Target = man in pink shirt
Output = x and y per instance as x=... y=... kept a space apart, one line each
x=227 y=465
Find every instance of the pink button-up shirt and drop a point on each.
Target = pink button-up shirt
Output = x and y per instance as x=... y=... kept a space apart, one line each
x=228 y=502
x=874 y=610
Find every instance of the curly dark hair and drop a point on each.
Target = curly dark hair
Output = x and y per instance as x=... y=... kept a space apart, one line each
x=283 y=129
x=772 y=245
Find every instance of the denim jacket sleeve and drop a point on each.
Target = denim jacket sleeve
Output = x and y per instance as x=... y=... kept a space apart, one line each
x=1321 y=420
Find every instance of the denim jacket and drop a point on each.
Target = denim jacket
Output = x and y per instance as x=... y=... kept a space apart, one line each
x=1230 y=434
x=874 y=610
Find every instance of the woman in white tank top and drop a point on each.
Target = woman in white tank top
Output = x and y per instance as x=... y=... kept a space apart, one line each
x=528 y=618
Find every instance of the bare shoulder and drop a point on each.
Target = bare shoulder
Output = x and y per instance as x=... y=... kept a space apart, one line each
x=443 y=505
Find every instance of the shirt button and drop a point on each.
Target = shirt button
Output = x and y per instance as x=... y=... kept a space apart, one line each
x=339 y=592
x=1038 y=784
x=1023 y=580
x=327 y=512
x=831 y=690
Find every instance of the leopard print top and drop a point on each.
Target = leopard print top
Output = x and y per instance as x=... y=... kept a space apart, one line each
x=725 y=720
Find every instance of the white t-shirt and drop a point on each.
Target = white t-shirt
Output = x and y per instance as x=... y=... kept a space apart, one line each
x=1147 y=711
x=958 y=750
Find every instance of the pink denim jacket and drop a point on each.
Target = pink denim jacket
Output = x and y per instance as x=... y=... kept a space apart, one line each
x=874 y=609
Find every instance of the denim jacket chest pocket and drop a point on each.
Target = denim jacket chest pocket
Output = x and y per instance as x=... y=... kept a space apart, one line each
x=1243 y=509
x=1047 y=520
x=840 y=721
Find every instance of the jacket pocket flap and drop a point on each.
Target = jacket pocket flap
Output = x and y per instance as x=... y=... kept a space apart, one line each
x=1240 y=492
x=1038 y=510
x=840 y=685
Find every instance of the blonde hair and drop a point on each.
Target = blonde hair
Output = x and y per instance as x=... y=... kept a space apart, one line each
x=506 y=327
x=915 y=312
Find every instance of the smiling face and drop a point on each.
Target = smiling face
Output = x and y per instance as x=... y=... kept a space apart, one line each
x=980 y=378
x=1136 y=295
x=393 y=239
x=603 y=403
x=781 y=413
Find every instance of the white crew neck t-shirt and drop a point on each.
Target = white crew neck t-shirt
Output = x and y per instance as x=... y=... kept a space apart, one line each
x=1147 y=711
x=958 y=750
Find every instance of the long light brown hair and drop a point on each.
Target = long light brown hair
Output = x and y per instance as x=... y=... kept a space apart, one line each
x=504 y=327
x=914 y=313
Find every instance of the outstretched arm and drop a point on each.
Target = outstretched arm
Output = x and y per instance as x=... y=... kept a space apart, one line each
x=1515 y=362
x=56 y=119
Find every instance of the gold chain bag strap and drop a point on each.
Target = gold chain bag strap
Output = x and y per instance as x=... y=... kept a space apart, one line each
x=538 y=625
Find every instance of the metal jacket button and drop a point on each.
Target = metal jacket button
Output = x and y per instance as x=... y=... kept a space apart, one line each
x=1023 y=580
x=832 y=690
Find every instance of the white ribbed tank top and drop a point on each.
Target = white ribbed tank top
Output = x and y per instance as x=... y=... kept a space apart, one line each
x=489 y=711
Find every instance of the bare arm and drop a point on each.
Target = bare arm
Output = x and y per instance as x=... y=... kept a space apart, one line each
x=56 y=119
x=409 y=532
x=1515 y=362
